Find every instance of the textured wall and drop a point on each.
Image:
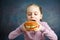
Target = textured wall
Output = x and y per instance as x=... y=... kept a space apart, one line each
x=12 y=14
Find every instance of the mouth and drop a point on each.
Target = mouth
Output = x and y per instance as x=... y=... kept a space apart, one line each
x=33 y=20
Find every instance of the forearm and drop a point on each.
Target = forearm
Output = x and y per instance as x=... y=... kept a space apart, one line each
x=51 y=34
x=13 y=35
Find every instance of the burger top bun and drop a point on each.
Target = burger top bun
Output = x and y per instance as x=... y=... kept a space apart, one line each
x=30 y=25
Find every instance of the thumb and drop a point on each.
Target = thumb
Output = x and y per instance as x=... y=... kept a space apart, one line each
x=24 y=29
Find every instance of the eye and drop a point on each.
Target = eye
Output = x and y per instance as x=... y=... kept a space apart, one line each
x=35 y=13
x=29 y=13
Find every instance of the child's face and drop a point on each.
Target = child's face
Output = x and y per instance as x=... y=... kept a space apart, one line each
x=33 y=13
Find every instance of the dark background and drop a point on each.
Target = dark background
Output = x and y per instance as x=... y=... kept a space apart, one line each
x=12 y=14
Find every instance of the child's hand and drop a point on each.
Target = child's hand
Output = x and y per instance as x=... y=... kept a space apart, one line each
x=41 y=27
x=24 y=29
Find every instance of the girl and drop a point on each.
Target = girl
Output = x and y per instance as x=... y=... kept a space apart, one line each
x=34 y=13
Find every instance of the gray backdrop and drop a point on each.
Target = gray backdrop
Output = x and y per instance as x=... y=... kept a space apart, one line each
x=12 y=14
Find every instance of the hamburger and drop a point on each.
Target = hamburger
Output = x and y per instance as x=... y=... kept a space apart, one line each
x=31 y=26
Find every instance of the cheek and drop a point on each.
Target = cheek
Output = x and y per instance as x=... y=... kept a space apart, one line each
x=38 y=17
x=28 y=17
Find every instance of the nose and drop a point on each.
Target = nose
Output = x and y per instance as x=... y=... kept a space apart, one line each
x=32 y=15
